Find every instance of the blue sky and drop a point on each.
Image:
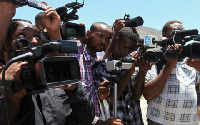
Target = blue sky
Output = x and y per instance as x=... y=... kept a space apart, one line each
x=155 y=13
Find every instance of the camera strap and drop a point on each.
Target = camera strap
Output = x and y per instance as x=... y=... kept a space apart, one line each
x=39 y=103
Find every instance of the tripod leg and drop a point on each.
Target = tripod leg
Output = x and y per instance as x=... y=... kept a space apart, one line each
x=115 y=100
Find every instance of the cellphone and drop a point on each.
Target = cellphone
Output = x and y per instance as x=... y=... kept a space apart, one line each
x=36 y=4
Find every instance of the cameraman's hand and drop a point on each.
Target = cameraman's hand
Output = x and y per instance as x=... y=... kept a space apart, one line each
x=195 y=63
x=52 y=22
x=69 y=87
x=103 y=91
x=14 y=70
x=143 y=65
x=118 y=24
x=111 y=121
x=172 y=61
x=13 y=73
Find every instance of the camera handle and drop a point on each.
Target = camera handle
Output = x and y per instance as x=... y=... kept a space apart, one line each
x=115 y=100
x=114 y=97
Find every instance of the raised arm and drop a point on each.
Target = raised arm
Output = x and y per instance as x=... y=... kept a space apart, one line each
x=7 y=12
x=144 y=66
x=155 y=86
x=52 y=22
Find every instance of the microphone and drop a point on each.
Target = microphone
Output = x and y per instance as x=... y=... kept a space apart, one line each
x=62 y=46
x=183 y=33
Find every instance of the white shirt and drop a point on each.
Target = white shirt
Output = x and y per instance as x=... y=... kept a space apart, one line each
x=177 y=103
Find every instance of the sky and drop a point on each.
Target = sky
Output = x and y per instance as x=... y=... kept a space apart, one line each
x=155 y=13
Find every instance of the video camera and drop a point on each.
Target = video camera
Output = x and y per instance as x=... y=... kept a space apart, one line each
x=191 y=50
x=114 y=68
x=134 y=22
x=43 y=72
x=71 y=30
x=68 y=29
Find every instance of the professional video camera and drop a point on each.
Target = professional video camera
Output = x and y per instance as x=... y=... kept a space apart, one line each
x=153 y=54
x=43 y=72
x=150 y=54
x=71 y=30
x=134 y=22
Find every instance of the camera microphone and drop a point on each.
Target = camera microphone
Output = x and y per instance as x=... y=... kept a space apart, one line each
x=62 y=46
x=183 y=33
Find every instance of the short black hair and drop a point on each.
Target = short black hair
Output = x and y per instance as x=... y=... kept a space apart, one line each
x=38 y=17
x=129 y=32
x=94 y=26
x=13 y=27
x=167 y=25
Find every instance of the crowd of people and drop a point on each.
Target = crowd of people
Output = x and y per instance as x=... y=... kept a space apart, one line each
x=168 y=86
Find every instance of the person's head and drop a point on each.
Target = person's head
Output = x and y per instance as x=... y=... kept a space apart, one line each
x=38 y=21
x=41 y=27
x=98 y=36
x=171 y=25
x=20 y=29
x=125 y=42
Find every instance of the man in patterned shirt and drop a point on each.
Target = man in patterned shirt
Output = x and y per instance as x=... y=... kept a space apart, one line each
x=128 y=92
x=96 y=37
x=171 y=94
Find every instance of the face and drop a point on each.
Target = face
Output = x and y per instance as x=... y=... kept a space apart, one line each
x=123 y=47
x=99 y=39
x=174 y=26
x=27 y=31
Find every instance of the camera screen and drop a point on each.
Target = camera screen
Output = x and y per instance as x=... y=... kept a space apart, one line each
x=57 y=71
x=73 y=30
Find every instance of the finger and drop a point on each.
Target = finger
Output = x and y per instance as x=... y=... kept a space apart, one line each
x=139 y=61
x=136 y=62
x=50 y=12
x=143 y=61
x=44 y=3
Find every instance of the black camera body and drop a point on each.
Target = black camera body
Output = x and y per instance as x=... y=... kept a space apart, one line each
x=43 y=72
x=72 y=30
x=50 y=72
x=152 y=55
x=191 y=50
x=177 y=37
x=68 y=29
x=134 y=22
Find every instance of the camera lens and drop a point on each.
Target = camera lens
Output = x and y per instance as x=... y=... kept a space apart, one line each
x=134 y=22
